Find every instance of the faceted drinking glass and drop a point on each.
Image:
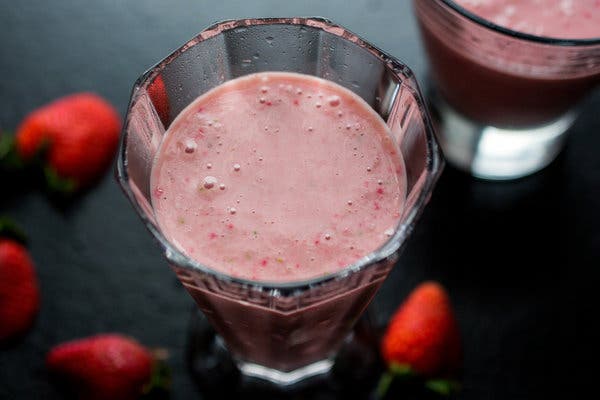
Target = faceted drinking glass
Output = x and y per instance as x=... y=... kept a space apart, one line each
x=504 y=100
x=282 y=332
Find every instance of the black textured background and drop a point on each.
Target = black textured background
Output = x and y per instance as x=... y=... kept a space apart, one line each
x=516 y=257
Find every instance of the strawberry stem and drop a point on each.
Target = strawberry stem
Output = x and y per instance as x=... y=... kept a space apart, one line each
x=384 y=384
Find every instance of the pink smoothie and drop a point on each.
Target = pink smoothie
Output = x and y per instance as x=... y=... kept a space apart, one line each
x=278 y=177
x=565 y=19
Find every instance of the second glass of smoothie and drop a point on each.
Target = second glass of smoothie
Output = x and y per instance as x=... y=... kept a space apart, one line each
x=280 y=164
x=508 y=78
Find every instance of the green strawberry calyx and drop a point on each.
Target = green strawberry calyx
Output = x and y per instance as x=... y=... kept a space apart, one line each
x=404 y=372
x=395 y=370
x=9 y=229
x=9 y=158
x=160 y=381
x=57 y=183
x=10 y=161
x=444 y=387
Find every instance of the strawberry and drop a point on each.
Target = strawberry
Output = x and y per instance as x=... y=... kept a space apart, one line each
x=422 y=337
x=106 y=366
x=160 y=99
x=76 y=136
x=19 y=293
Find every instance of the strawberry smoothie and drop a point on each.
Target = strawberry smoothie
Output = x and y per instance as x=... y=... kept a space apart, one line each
x=565 y=19
x=498 y=80
x=278 y=177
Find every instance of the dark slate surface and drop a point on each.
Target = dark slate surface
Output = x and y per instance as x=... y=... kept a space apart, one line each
x=517 y=257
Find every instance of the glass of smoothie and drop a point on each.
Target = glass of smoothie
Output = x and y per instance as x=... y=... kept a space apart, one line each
x=508 y=78
x=281 y=165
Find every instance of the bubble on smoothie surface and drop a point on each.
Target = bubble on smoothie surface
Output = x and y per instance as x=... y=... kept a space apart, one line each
x=334 y=101
x=190 y=146
x=210 y=182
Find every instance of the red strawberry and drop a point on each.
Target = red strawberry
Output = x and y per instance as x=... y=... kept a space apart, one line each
x=158 y=94
x=77 y=135
x=107 y=366
x=19 y=294
x=423 y=333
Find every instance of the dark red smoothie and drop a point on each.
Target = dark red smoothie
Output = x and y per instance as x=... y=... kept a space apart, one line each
x=501 y=80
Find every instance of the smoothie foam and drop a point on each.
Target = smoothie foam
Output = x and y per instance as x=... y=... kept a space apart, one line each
x=278 y=177
x=565 y=19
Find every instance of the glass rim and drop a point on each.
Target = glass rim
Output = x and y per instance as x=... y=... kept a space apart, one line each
x=516 y=34
x=433 y=165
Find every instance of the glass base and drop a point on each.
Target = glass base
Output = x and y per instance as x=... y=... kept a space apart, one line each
x=494 y=153
x=282 y=378
x=354 y=371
